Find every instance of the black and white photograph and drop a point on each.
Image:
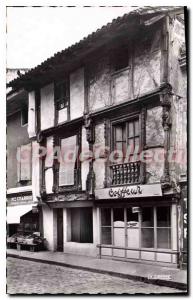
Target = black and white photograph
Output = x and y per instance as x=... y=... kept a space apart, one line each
x=96 y=150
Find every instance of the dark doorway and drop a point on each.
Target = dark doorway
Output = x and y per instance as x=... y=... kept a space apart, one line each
x=59 y=213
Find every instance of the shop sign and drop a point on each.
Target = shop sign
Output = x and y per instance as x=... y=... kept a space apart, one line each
x=135 y=210
x=134 y=191
x=21 y=198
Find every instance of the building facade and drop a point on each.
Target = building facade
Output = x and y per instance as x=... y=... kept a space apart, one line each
x=20 y=202
x=111 y=113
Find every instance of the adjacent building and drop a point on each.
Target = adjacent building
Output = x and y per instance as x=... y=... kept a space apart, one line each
x=111 y=113
x=20 y=202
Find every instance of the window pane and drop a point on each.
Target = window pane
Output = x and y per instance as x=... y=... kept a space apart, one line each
x=163 y=216
x=131 y=129
x=136 y=144
x=106 y=235
x=136 y=127
x=118 y=133
x=147 y=238
x=132 y=218
x=133 y=237
x=147 y=217
x=119 y=237
x=164 y=238
x=131 y=146
x=119 y=146
x=118 y=217
x=106 y=216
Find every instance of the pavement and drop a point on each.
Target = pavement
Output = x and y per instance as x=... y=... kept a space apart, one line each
x=29 y=277
x=154 y=274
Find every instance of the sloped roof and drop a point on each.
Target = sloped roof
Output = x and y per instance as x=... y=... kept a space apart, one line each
x=67 y=54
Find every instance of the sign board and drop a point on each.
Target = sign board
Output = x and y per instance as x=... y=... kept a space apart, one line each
x=130 y=191
x=25 y=198
x=135 y=210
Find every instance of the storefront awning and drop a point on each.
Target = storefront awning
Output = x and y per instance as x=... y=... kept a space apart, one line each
x=15 y=212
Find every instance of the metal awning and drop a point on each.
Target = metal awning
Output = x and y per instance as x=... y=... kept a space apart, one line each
x=15 y=212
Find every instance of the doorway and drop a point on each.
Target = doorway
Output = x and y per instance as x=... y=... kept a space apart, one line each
x=59 y=214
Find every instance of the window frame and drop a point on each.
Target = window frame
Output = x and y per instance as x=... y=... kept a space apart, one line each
x=66 y=99
x=140 y=227
x=127 y=138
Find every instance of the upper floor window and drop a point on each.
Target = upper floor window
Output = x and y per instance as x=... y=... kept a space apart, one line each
x=24 y=116
x=121 y=58
x=125 y=168
x=126 y=138
x=24 y=163
x=62 y=95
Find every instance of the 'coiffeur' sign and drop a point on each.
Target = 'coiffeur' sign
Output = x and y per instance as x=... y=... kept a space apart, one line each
x=134 y=191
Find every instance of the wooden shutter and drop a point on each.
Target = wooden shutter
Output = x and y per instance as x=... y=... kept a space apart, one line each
x=25 y=162
x=66 y=170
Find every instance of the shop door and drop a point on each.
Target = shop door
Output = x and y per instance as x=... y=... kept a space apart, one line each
x=59 y=229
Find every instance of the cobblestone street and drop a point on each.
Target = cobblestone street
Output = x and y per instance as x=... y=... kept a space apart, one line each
x=31 y=277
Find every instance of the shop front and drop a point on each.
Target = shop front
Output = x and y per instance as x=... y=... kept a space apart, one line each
x=138 y=227
x=23 y=216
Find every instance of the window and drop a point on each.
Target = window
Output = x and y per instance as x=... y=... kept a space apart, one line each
x=163 y=227
x=149 y=228
x=126 y=138
x=62 y=96
x=106 y=237
x=121 y=58
x=24 y=162
x=24 y=116
x=68 y=161
x=81 y=225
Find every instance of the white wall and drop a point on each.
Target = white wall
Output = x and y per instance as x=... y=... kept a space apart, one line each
x=48 y=227
x=35 y=171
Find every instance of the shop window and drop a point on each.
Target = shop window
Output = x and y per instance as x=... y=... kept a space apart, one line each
x=147 y=230
x=62 y=96
x=68 y=161
x=132 y=229
x=105 y=217
x=106 y=236
x=118 y=227
x=81 y=225
x=24 y=163
x=148 y=227
x=163 y=216
x=163 y=227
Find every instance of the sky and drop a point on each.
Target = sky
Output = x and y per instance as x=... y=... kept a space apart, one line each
x=36 y=33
